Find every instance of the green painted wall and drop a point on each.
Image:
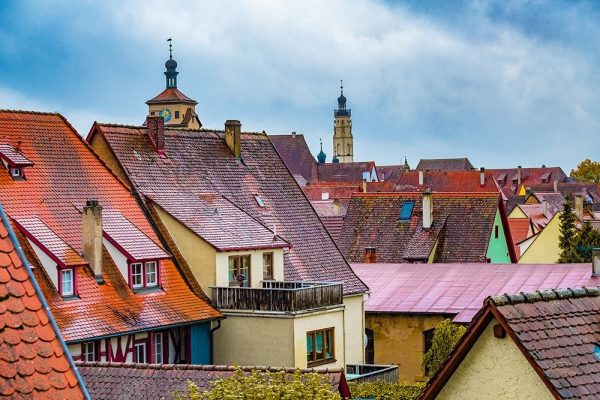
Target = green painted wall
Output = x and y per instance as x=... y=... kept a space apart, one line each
x=498 y=248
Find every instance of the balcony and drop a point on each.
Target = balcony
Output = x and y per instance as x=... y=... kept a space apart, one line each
x=277 y=296
x=371 y=373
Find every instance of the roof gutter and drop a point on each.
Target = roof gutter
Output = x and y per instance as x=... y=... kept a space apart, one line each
x=38 y=291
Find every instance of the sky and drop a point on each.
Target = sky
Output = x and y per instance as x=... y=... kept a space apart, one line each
x=504 y=83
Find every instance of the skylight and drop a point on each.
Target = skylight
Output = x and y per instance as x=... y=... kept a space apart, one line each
x=406 y=210
x=259 y=201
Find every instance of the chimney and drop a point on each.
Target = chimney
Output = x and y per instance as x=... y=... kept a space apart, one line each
x=294 y=134
x=482 y=176
x=370 y=255
x=337 y=207
x=233 y=136
x=364 y=186
x=156 y=132
x=596 y=261
x=420 y=178
x=556 y=185
x=519 y=176
x=545 y=207
x=579 y=207
x=427 y=209
x=92 y=237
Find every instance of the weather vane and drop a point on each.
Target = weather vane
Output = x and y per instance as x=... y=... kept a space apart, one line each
x=342 y=86
x=170 y=48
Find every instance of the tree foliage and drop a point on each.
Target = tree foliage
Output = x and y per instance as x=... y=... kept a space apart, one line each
x=264 y=385
x=587 y=171
x=445 y=337
x=576 y=245
x=386 y=390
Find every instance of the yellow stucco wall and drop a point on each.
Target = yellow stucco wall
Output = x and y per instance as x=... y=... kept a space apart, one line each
x=319 y=320
x=200 y=256
x=517 y=213
x=494 y=369
x=544 y=249
x=182 y=108
x=101 y=147
x=247 y=340
x=354 y=326
x=398 y=339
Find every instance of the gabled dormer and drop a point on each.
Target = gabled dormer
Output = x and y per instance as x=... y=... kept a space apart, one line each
x=14 y=161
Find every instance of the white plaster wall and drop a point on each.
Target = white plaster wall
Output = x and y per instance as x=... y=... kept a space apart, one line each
x=119 y=259
x=47 y=263
x=256 y=266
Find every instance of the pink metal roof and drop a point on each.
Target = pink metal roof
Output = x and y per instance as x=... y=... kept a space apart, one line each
x=460 y=289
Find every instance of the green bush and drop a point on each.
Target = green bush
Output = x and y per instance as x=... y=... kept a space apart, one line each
x=445 y=337
x=264 y=385
x=386 y=390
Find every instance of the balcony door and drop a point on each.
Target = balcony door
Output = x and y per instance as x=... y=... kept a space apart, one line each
x=239 y=270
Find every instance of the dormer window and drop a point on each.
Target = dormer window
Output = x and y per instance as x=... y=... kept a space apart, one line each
x=67 y=282
x=16 y=172
x=144 y=274
x=14 y=161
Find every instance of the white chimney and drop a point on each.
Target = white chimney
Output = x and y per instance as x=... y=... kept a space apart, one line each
x=364 y=186
x=92 y=237
x=482 y=176
x=427 y=209
x=545 y=208
x=420 y=178
x=596 y=261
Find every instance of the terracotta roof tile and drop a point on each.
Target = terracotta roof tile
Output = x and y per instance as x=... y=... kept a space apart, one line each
x=66 y=172
x=508 y=178
x=199 y=162
x=345 y=172
x=26 y=370
x=296 y=155
x=13 y=156
x=439 y=181
x=126 y=381
x=171 y=95
x=520 y=229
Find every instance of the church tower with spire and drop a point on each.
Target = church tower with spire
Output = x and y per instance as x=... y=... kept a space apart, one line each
x=178 y=110
x=343 y=146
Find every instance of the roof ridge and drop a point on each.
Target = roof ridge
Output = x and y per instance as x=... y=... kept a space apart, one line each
x=6 y=110
x=543 y=295
x=449 y=194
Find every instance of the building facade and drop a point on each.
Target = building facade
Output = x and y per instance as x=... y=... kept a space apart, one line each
x=343 y=142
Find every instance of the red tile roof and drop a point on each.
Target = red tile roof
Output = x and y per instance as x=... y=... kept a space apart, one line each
x=330 y=190
x=445 y=164
x=65 y=174
x=441 y=181
x=34 y=362
x=334 y=224
x=13 y=156
x=390 y=172
x=508 y=178
x=460 y=289
x=538 y=215
x=520 y=229
x=296 y=155
x=221 y=223
x=555 y=200
x=372 y=219
x=589 y=190
x=555 y=330
x=171 y=95
x=344 y=172
x=143 y=381
x=199 y=162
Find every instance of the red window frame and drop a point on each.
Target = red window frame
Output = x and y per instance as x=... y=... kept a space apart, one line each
x=59 y=279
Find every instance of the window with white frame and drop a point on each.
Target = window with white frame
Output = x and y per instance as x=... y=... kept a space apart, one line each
x=140 y=352
x=16 y=172
x=158 y=348
x=151 y=273
x=88 y=351
x=137 y=275
x=67 y=286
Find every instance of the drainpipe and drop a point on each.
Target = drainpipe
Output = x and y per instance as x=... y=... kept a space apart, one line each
x=212 y=346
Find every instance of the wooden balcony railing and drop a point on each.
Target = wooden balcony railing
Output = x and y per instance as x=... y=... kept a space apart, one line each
x=279 y=296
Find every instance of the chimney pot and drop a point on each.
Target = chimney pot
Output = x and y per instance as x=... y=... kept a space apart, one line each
x=92 y=237
x=370 y=255
x=294 y=134
x=427 y=209
x=596 y=261
x=233 y=136
x=482 y=176
x=420 y=178
x=519 y=175
x=155 y=126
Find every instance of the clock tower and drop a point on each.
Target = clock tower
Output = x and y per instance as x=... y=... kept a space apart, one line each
x=178 y=110
x=343 y=147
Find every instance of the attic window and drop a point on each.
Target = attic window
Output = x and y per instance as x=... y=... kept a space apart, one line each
x=259 y=201
x=501 y=178
x=406 y=210
x=14 y=161
x=16 y=172
x=546 y=177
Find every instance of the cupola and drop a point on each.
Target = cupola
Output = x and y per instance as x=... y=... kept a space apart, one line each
x=321 y=157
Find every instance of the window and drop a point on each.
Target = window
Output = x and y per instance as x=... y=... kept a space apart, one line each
x=137 y=280
x=239 y=271
x=496 y=231
x=406 y=210
x=66 y=282
x=259 y=201
x=151 y=274
x=370 y=348
x=16 y=172
x=176 y=114
x=320 y=347
x=88 y=351
x=158 y=348
x=152 y=113
x=140 y=352
x=267 y=266
x=427 y=342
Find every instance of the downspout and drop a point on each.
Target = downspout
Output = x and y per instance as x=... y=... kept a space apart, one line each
x=38 y=291
x=212 y=346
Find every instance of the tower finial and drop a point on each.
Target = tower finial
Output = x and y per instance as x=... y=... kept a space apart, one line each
x=170 y=48
x=342 y=86
x=321 y=141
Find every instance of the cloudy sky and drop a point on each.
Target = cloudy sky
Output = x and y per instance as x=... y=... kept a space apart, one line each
x=501 y=82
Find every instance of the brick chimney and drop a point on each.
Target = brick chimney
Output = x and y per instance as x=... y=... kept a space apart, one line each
x=519 y=175
x=233 y=136
x=579 y=207
x=92 y=237
x=427 y=209
x=420 y=178
x=370 y=255
x=596 y=261
x=482 y=177
x=156 y=131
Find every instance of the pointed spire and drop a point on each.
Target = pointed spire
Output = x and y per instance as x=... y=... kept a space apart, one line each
x=171 y=66
x=170 y=48
x=321 y=157
x=342 y=87
x=406 y=166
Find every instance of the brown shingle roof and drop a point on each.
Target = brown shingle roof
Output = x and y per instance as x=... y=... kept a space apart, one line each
x=295 y=153
x=143 y=381
x=445 y=164
x=344 y=172
x=200 y=162
x=557 y=332
x=372 y=219
x=33 y=361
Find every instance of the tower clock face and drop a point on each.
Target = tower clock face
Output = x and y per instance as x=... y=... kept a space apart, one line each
x=166 y=114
